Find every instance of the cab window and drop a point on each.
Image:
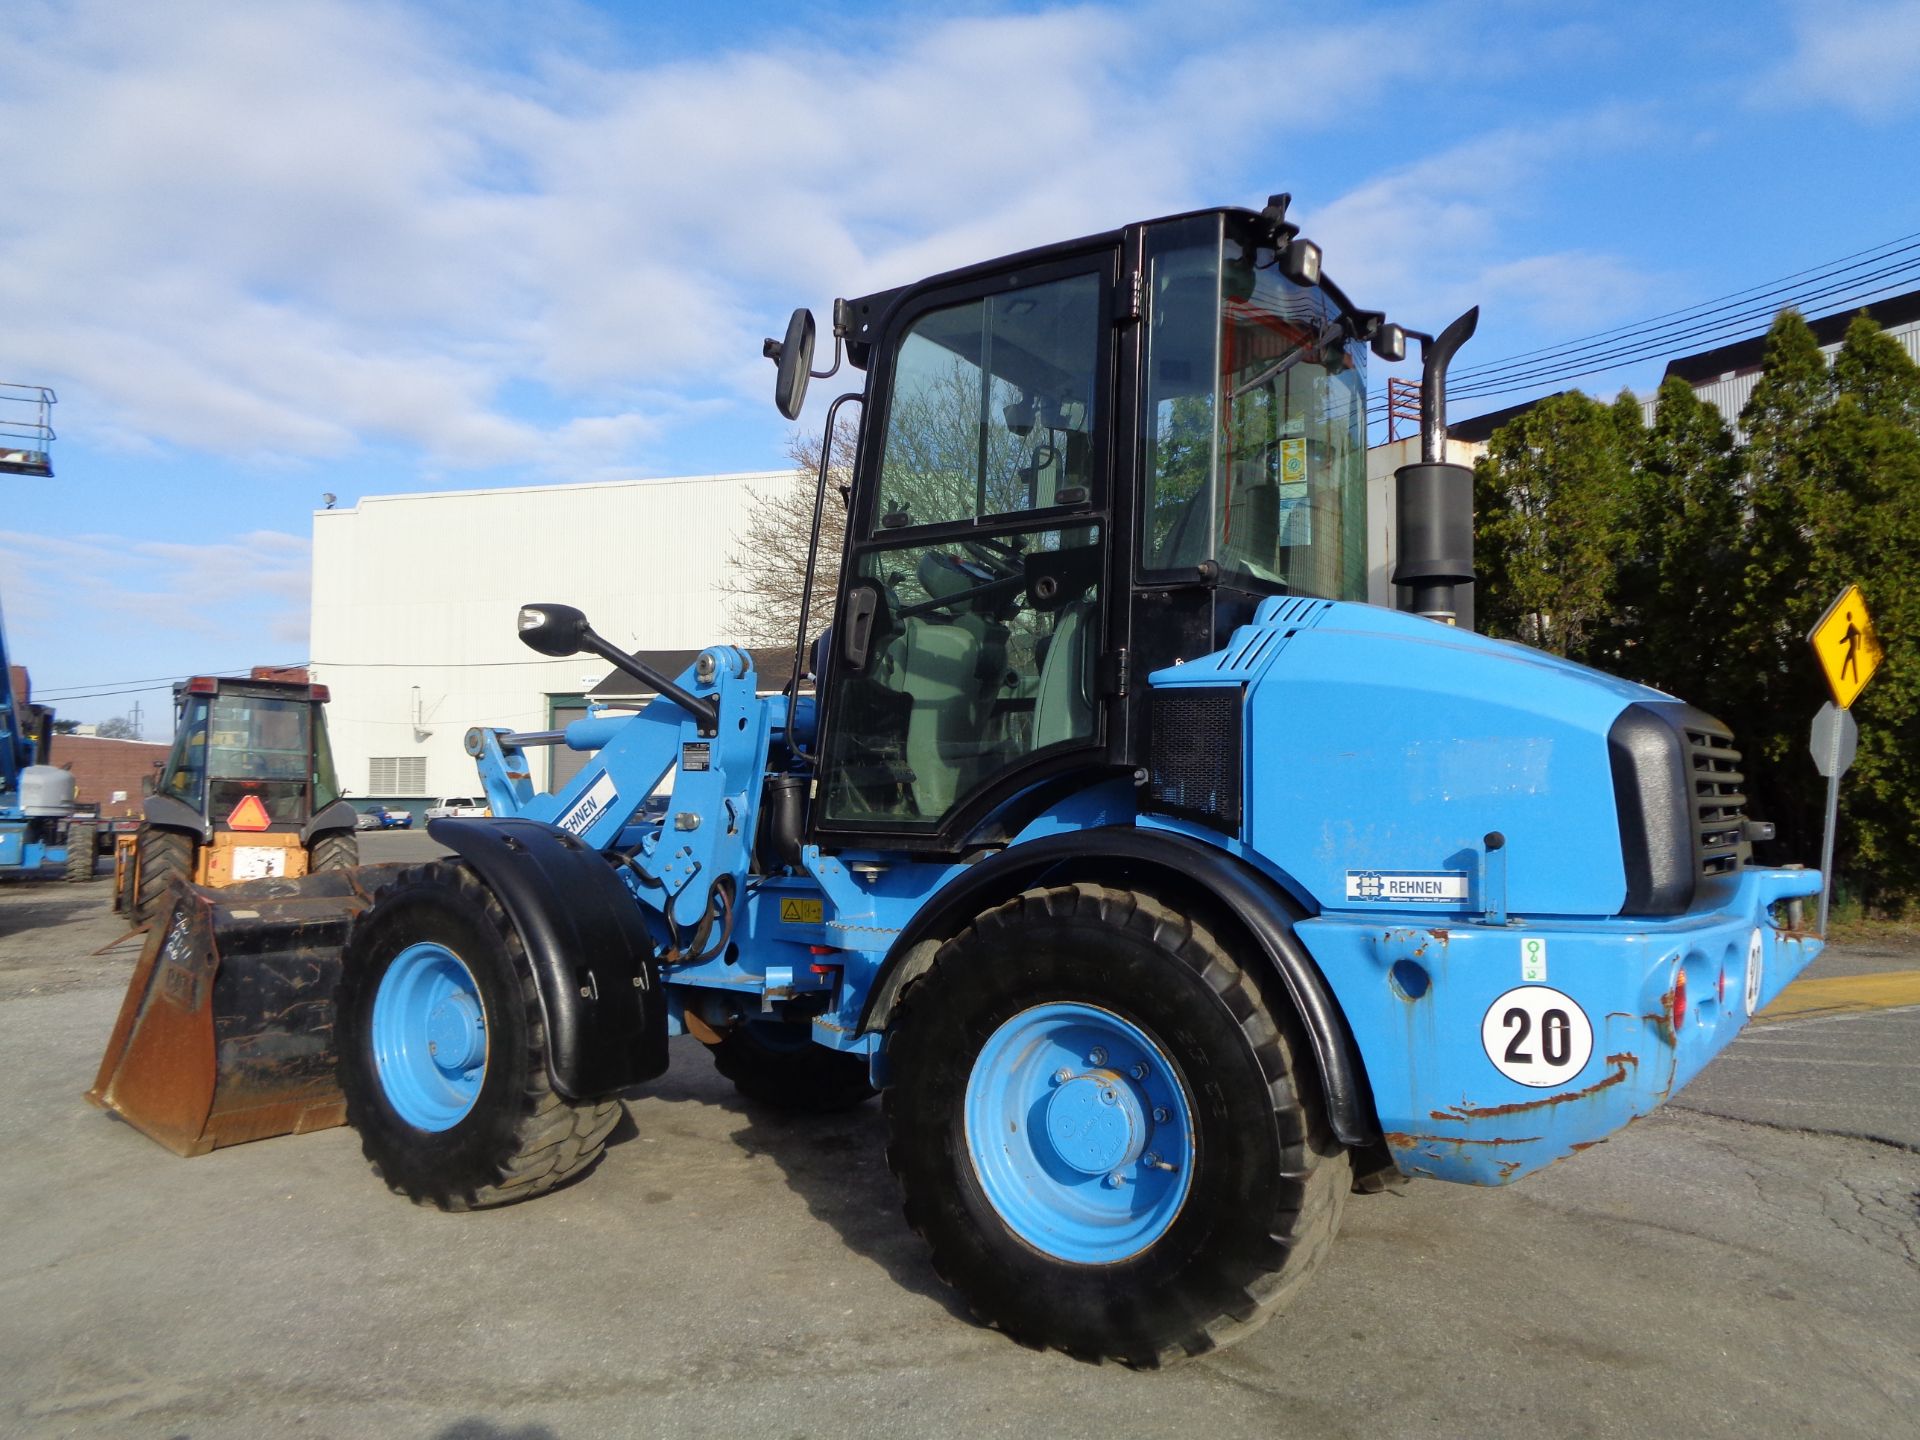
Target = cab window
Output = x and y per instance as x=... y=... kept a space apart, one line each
x=991 y=409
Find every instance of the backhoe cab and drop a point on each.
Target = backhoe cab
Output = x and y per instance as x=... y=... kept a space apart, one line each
x=1169 y=892
x=248 y=792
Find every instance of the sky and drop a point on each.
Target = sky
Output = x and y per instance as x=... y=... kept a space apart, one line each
x=264 y=252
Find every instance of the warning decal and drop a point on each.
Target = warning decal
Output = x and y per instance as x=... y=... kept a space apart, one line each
x=802 y=912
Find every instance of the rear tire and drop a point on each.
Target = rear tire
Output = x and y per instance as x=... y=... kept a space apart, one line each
x=335 y=850
x=1113 y=1142
x=82 y=841
x=436 y=967
x=160 y=858
x=779 y=1065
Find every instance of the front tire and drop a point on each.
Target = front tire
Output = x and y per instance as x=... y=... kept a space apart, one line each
x=82 y=841
x=335 y=850
x=160 y=858
x=1115 y=1145
x=443 y=1052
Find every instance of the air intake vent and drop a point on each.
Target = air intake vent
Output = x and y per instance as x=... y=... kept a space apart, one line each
x=1719 y=802
x=1194 y=755
x=1680 y=795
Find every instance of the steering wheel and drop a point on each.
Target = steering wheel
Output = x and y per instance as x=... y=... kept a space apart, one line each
x=997 y=555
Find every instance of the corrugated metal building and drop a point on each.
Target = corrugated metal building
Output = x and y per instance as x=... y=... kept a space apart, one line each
x=415 y=599
x=1725 y=375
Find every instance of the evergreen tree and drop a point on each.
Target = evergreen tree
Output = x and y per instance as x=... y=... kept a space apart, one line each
x=1554 y=509
x=1771 y=689
x=1863 y=523
x=1678 y=583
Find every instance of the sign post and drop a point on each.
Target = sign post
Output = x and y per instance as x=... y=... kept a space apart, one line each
x=1849 y=651
x=1835 y=739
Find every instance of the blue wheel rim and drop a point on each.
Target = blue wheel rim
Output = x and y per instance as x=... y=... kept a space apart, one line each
x=429 y=1037
x=1080 y=1132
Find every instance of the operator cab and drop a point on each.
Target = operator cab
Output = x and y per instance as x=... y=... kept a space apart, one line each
x=1076 y=466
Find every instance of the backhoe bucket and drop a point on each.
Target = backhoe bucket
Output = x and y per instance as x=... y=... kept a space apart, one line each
x=226 y=1032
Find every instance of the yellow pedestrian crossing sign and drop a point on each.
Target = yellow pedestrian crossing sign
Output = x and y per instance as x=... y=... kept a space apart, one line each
x=1848 y=649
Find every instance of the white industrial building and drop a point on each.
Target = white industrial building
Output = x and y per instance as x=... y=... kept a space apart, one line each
x=415 y=599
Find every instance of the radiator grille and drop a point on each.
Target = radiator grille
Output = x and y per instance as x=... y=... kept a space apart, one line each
x=1719 y=802
x=1194 y=755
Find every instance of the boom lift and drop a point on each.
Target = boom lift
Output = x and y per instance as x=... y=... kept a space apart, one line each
x=38 y=834
x=1165 y=890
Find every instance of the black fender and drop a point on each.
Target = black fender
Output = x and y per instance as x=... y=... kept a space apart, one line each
x=167 y=813
x=337 y=816
x=592 y=957
x=1162 y=861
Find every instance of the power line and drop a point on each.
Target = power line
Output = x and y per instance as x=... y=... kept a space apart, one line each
x=1743 y=300
x=1704 y=326
x=142 y=687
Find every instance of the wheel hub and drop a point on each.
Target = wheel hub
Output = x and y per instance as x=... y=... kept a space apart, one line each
x=1096 y=1123
x=456 y=1033
x=1080 y=1130
x=429 y=1035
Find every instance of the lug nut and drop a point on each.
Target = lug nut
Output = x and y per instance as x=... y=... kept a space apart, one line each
x=1139 y=1072
x=1098 y=1057
x=1161 y=1114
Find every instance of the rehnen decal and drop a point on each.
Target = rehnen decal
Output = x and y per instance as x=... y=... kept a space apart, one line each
x=1408 y=887
x=588 y=808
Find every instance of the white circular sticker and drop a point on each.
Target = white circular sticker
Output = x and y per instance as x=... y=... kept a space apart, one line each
x=1537 y=1036
x=1756 y=958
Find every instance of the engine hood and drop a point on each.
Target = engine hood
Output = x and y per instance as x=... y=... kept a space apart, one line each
x=1382 y=749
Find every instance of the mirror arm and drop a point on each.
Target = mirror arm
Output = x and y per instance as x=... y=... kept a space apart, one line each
x=703 y=710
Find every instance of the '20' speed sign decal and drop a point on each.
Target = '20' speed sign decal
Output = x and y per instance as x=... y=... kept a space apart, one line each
x=1537 y=1036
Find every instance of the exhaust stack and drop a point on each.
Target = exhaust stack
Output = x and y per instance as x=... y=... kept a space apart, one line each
x=1433 y=507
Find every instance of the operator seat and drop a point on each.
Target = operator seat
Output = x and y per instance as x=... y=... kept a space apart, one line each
x=936 y=663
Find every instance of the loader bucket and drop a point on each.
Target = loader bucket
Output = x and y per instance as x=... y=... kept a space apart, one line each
x=226 y=1031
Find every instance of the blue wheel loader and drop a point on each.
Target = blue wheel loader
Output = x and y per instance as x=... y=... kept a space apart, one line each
x=1165 y=892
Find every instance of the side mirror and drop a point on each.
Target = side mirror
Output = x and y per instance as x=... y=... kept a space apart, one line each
x=794 y=356
x=1390 y=343
x=556 y=630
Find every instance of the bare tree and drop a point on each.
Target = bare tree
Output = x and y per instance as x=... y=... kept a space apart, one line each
x=767 y=567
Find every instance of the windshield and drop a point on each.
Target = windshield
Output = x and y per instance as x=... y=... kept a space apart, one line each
x=1255 y=419
x=259 y=746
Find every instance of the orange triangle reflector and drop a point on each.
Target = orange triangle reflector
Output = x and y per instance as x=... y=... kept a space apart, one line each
x=249 y=814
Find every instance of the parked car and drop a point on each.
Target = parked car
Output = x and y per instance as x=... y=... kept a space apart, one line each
x=458 y=807
x=384 y=817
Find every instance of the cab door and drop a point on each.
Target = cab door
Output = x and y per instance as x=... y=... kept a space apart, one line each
x=974 y=608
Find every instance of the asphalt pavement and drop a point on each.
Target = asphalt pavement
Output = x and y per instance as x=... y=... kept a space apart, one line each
x=1743 y=1263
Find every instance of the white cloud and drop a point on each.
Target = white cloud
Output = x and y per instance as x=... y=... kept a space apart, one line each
x=289 y=231
x=1860 y=56
x=1431 y=238
x=225 y=595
